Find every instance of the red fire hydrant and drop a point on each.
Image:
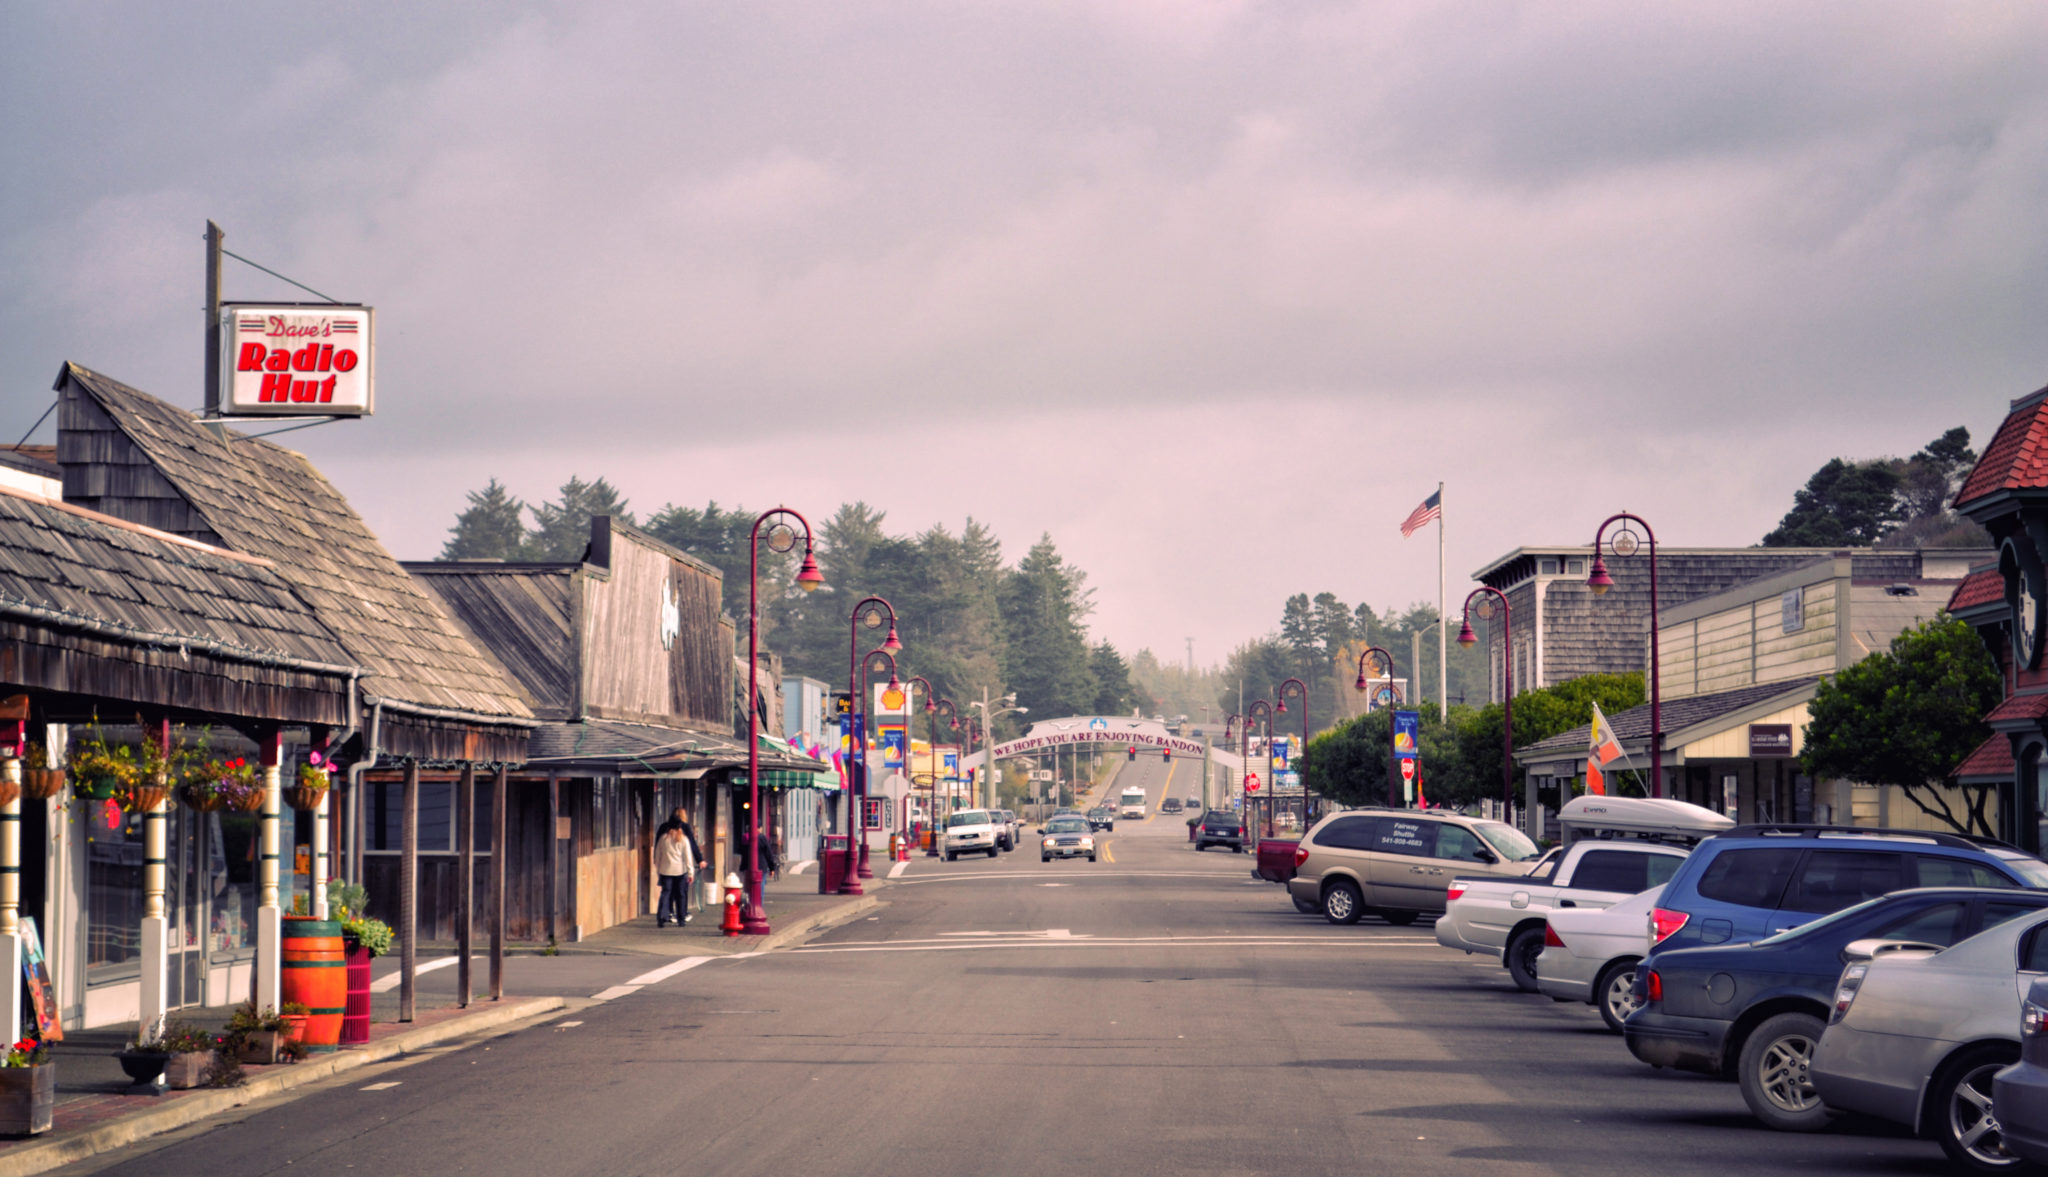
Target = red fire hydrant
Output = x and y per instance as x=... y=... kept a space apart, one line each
x=731 y=926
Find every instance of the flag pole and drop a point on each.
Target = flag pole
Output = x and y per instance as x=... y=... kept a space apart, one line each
x=1443 y=689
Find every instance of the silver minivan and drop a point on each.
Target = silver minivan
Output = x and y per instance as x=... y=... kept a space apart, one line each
x=1397 y=863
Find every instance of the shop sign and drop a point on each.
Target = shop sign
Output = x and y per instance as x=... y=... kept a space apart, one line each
x=296 y=360
x=1770 y=740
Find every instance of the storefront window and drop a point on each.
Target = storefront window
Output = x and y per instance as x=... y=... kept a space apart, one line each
x=231 y=879
x=437 y=816
x=113 y=891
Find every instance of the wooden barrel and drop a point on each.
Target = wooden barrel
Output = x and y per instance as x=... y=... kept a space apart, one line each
x=355 y=1024
x=316 y=976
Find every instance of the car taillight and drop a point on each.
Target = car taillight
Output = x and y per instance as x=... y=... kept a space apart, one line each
x=1452 y=893
x=1846 y=989
x=2033 y=1020
x=1550 y=939
x=1653 y=986
x=1663 y=922
x=1300 y=855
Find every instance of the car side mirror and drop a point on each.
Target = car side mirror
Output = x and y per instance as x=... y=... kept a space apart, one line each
x=1485 y=855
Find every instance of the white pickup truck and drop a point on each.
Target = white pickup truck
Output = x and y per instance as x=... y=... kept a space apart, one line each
x=1619 y=846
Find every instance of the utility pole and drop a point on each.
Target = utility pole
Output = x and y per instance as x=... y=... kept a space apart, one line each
x=214 y=238
x=1191 y=657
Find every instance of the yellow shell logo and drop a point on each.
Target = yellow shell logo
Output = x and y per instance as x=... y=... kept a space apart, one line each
x=893 y=700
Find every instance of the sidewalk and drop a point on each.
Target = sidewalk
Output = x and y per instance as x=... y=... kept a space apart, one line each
x=792 y=903
x=98 y=1108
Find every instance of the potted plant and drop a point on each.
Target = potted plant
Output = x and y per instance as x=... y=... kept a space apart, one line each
x=293 y=1014
x=364 y=938
x=100 y=771
x=314 y=779
x=28 y=1088
x=178 y=1055
x=38 y=781
x=222 y=783
x=254 y=1035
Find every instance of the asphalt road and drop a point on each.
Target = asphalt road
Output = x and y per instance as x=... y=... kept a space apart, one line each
x=1156 y=1012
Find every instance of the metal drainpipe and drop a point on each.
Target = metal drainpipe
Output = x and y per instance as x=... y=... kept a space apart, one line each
x=357 y=826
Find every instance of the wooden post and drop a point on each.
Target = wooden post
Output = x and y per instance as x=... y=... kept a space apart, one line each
x=408 y=891
x=465 y=878
x=269 y=912
x=154 y=934
x=214 y=237
x=498 y=855
x=554 y=851
x=10 y=877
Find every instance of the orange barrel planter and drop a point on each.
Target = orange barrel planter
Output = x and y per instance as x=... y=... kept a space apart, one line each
x=355 y=1024
x=316 y=976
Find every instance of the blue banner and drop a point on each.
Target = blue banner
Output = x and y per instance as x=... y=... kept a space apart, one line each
x=893 y=742
x=1407 y=734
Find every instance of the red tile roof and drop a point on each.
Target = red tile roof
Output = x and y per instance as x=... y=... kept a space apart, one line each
x=2019 y=707
x=2017 y=458
x=1978 y=588
x=1993 y=758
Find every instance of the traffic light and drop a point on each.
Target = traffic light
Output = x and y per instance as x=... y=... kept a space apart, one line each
x=1166 y=754
x=1133 y=751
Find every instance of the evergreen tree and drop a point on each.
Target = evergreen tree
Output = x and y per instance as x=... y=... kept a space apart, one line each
x=561 y=530
x=1045 y=648
x=1114 y=692
x=719 y=538
x=1298 y=634
x=493 y=528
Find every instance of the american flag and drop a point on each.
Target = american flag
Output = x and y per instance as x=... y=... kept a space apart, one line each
x=1431 y=508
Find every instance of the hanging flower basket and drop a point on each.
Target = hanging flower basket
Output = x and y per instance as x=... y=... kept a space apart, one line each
x=200 y=798
x=41 y=784
x=248 y=799
x=9 y=792
x=313 y=780
x=142 y=798
x=104 y=788
x=304 y=797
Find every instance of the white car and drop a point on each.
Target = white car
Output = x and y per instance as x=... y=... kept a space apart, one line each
x=1590 y=954
x=972 y=831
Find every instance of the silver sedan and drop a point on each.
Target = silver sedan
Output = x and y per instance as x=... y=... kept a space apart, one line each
x=1915 y=1038
x=2019 y=1094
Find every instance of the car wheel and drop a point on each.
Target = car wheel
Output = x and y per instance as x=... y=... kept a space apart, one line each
x=1342 y=904
x=1045 y=858
x=951 y=856
x=1615 y=993
x=1772 y=1072
x=1399 y=919
x=994 y=853
x=1302 y=905
x=1239 y=848
x=1961 y=1113
x=1091 y=858
x=1523 y=949
x=1201 y=846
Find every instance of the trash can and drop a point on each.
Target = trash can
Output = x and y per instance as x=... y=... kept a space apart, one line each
x=832 y=864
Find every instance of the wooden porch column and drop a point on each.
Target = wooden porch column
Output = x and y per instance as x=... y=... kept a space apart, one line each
x=154 y=999
x=499 y=852
x=408 y=891
x=269 y=915
x=316 y=903
x=554 y=852
x=465 y=878
x=10 y=880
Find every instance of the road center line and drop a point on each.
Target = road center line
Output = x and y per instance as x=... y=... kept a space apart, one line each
x=1000 y=945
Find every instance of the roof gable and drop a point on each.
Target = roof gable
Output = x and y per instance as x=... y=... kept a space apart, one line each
x=265 y=500
x=2017 y=458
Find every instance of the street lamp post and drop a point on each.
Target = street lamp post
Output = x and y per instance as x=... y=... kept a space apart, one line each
x=1280 y=705
x=869 y=663
x=1507 y=669
x=989 y=714
x=1364 y=686
x=933 y=708
x=1264 y=709
x=781 y=538
x=1233 y=726
x=1625 y=546
x=868 y=614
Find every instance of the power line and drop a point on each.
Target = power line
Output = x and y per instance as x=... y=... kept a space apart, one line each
x=273 y=273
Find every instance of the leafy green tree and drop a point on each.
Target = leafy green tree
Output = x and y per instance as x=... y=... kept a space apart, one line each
x=561 y=530
x=1928 y=482
x=1843 y=504
x=1907 y=716
x=492 y=528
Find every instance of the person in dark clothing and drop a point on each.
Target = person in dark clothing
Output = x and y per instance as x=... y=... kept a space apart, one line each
x=679 y=820
x=771 y=864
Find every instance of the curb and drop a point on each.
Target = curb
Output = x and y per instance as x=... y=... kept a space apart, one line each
x=811 y=925
x=43 y=1156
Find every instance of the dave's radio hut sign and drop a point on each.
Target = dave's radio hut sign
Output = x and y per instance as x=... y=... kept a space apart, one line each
x=297 y=360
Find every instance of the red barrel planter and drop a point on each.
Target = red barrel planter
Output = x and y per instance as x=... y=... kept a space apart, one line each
x=355 y=1024
x=315 y=975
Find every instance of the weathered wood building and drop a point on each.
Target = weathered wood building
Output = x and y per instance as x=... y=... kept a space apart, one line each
x=628 y=665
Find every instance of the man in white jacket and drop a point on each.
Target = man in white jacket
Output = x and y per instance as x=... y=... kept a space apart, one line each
x=675 y=861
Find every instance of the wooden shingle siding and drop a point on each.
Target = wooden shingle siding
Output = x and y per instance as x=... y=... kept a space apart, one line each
x=521 y=614
x=687 y=682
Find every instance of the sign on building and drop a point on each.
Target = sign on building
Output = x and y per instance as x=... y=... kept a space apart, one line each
x=297 y=360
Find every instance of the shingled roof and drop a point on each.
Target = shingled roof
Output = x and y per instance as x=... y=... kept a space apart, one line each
x=133 y=456
x=1633 y=725
x=1986 y=586
x=109 y=611
x=2017 y=458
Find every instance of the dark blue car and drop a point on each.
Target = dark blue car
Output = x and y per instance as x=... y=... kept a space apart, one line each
x=1756 y=1010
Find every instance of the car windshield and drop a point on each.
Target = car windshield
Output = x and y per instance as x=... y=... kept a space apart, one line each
x=968 y=817
x=1823 y=922
x=1513 y=844
x=2032 y=870
x=1066 y=825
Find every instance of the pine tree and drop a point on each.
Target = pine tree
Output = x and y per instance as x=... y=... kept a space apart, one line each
x=1045 y=648
x=493 y=528
x=1114 y=692
x=561 y=530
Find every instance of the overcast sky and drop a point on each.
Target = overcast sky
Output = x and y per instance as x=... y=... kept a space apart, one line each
x=1213 y=292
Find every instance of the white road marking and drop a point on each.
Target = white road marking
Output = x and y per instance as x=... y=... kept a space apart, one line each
x=386 y=1086
x=669 y=970
x=387 y=984
x=566 y=1025
x=896 y=872
x=614 y=991
x=1160 y=942
x=1118 y=876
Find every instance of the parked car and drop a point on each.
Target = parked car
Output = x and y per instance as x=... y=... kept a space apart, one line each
x=2019 y=1093
x=1590 y=954
x=971 y=831
x=1758 y=880
x=1067 y=836
x=1011 y=828
x=1915 y=1037
x=1398 y=862
x=1753 y=1011
x=1639 y=845
x=1102 y=817
x=1220 y=828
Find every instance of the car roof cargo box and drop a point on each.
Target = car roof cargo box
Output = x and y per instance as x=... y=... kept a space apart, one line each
x=1643 y=816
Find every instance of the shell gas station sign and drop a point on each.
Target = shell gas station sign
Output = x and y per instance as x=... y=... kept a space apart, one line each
x=297 y=360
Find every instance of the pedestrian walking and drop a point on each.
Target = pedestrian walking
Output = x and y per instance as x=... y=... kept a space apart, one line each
x=676 y=859
x=771 y=862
